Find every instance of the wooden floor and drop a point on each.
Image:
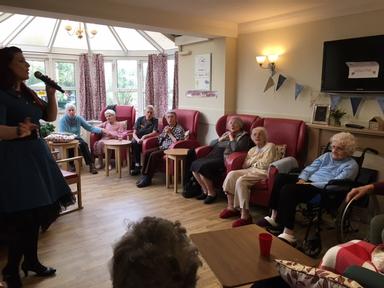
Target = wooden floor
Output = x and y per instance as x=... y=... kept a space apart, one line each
x=79 y=244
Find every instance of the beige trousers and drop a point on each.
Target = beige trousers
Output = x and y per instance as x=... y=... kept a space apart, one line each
x=239 y=183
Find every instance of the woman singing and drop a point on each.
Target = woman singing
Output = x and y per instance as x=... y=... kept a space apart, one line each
x=32 y=187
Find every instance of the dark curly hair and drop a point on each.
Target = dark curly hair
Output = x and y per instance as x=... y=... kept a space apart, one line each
x=153 y=253
x=7 y=78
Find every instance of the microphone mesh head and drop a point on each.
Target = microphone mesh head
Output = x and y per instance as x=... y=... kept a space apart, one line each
x=38 y=74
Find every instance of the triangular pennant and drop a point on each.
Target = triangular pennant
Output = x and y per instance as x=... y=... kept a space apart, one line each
x=355 y=102
x=280 y=81
x=380 y=99
x=270 y=83
x=335 y=100
x=298 y=89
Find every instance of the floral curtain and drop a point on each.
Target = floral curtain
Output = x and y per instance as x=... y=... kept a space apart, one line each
x=156 y=86
x=92 y=85
x=175 y=100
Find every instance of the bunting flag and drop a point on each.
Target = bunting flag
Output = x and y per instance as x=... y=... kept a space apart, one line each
x=270 y=83
x=335 y=100
x=380 y=99
x=298 y=89
x=355 y=102
x=280 y=81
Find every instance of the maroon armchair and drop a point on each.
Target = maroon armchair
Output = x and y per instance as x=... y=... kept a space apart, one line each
x=221 y=127
x=189 y=120
x=123 y=112
x=280 y=131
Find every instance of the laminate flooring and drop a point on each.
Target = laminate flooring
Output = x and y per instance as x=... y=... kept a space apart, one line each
x=79 y=245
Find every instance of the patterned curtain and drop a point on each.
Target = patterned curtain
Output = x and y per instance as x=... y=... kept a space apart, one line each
x=156 y=86
x=175 y=100
x=92 y=85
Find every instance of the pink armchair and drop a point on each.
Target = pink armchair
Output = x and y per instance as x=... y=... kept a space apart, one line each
x=280 y=131
x=123 y=112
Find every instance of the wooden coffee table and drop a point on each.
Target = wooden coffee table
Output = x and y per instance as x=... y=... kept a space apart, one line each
x=177 y=155
x=117 y=146
x=233 y=255
x=64 y=147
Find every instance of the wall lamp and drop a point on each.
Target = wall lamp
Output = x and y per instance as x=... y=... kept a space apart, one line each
x=271 y=60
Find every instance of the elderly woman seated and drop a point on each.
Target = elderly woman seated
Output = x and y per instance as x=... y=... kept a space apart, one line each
x=112 y=129
x=211 y=167
x=357 y=253
x=237 y=184
x=290 y=190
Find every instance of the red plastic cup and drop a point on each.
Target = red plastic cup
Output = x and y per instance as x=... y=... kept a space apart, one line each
x=265 y=241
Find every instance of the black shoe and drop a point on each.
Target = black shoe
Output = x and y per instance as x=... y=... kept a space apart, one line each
x=275 y=230
x=202 y=196
x=92 y=169
x=12 y=279
x=210 y=199
x=135 y=171
x=39 y=269
x=145 y=181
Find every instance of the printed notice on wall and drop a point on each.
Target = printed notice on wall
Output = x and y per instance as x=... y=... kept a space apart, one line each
x=203 y=72
x=364 y=69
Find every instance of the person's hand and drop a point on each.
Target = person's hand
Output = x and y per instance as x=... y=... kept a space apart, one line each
x=25 y=128
x=301 y=181
x=50 y=91
x=358 y=192
x=168 y=129
x=231 y=136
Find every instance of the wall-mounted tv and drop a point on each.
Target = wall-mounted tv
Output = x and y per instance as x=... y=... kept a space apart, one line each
x=354 y=66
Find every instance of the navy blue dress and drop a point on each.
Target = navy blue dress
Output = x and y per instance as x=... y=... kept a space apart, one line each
x=29 y=176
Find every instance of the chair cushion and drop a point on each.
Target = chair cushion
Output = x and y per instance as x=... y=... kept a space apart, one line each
x=299 y=275
x=280 y=151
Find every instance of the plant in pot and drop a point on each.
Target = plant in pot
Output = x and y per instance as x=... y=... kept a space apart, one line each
x=336 y=115
x=46 y=129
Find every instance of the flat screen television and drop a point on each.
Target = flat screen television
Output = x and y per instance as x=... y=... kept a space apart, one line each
x=354 y=66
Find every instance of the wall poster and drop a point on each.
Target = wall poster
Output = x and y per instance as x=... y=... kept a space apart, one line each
x=203 y=72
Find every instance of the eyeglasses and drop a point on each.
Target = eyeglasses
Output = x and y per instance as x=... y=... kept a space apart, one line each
x=337 y=148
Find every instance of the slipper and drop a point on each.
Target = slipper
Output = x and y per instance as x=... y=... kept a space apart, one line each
x=227 y=213
x=242 y=222
x=288 y=239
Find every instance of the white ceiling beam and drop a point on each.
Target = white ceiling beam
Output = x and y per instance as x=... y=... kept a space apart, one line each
x=18 y=30
x=54 y=35
x=5 y=16
x=150 y=40
x=118 y=39
x=87 y=38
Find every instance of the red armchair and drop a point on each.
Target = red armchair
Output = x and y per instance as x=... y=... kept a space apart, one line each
x=189 y=120
x=280 y=131
x=123 y=112
x=221 y=127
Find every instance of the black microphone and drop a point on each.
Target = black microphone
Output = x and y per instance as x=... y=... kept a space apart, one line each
x=48 y=81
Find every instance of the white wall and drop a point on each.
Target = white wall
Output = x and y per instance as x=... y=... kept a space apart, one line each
x=301 y=61
x=223 y=70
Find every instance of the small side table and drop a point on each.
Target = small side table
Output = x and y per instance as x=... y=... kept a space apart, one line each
x=64 y=147
x=116 y=145
x=177 y=155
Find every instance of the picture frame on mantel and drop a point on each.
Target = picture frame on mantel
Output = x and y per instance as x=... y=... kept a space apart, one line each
x=321 y=114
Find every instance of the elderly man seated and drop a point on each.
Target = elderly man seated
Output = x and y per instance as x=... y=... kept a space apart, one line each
x=290 y=190
x=171 y=133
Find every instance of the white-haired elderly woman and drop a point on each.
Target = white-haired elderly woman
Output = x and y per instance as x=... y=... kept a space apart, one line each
x=237 y=185
x=290 y=190
x=211 y=167
x=72 y=123
x=112 y=129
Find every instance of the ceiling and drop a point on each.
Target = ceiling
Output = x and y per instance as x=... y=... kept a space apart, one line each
x=212 y=18
x=50 y=35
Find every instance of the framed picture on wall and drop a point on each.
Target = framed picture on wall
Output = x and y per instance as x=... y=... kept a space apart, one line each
x=321 y=114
